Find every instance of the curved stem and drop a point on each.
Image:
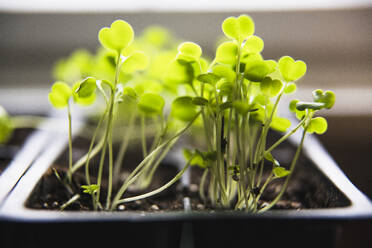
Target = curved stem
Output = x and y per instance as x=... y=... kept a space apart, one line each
x=154 y=192
x=143 y=136
x=202 y=183
x=129 y=180
x=88 y=155
x=284 y=187
x=283 y=138
x=123 y=147
x=69 y=174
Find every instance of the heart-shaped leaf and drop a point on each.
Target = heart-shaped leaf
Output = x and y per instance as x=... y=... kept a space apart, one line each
x=60 y=94
x=328 y=98
x=137 y=61
x=117 y=37
x=253 y=44
x=238 y=28
x=291 y=70
x=271 y=87
x=226 y=53
x=318 y=125
x=184 y=109
x=189 y=51
x=151 y=104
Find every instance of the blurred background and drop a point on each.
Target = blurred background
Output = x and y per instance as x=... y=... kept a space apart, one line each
x=334 y=38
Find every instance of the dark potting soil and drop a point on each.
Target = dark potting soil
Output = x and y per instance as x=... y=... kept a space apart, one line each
x=50 y=193
x=308 y=187
x=10 y=149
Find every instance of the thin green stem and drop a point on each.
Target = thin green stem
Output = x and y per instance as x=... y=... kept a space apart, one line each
x=123 y=147
x=78 y=164
x=88 y=155
x=69 y=174
x=154 y=192
x=134 y=173
x=143 y=136
x=202 y=184
x=284 y=187
x=283 y=138
x=158 y=161
x=69 y=202
x=111 y=162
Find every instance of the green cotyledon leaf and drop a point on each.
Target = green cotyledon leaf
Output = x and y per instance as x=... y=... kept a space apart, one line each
x=116 y=37
x=290 y=69
x=327 y=97
x=184 y=109
x=317 y=125
x=238 y=28
x=226 y=53
x=189 y=51
x=60 y=94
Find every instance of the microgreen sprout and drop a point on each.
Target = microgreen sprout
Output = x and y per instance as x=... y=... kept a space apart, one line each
x=234 y=100
x=238 y=95
x=126 y=80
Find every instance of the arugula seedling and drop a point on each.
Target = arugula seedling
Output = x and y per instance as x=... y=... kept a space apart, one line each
x=238 y=96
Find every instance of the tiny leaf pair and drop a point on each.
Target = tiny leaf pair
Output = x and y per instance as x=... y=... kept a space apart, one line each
x=117 y=37
x=90 y=189
x=317 y=125
x=238 y=28
x=60 y=95
x=189 y=52
x=291 y=70
x=271 y=87
x=328 y=98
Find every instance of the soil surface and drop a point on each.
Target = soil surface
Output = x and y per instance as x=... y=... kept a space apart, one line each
x=308 y=188
x=50 y=193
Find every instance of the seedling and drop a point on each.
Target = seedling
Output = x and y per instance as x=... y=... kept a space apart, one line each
x=238 y=95
x=233 y=99
x=119 y=83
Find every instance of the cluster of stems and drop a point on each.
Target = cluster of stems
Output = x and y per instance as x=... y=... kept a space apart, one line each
x=236 y=177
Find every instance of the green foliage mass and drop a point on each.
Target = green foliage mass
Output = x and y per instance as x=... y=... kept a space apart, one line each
x=230 y=104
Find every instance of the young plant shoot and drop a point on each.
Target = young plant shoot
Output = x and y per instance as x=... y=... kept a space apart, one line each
x=138 y=104
x=239 y=95
x=234 y=100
